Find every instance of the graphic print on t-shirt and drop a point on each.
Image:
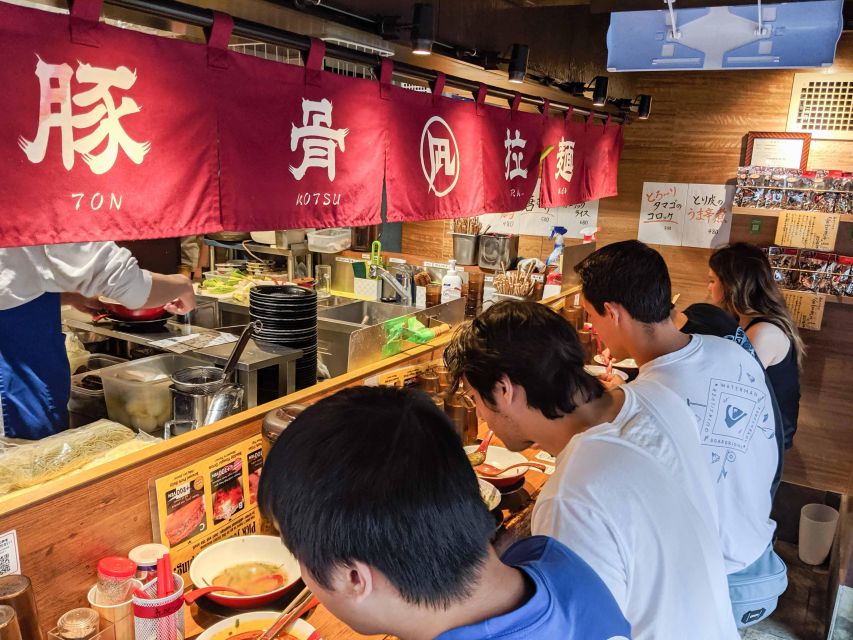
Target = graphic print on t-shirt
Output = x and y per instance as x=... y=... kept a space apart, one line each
x=732 y=414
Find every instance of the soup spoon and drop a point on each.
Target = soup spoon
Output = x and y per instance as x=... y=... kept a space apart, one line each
x=489 y=471
x=192 y=596
x=478 y=457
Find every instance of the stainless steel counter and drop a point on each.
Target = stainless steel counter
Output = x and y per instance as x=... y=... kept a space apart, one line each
x=254 y=358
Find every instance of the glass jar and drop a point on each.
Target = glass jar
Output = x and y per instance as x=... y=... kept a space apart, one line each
x=17 y=592
x=78 y=624
x=9 y=629
x=114 y=579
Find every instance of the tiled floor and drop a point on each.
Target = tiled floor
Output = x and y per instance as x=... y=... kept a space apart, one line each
x=802 y=608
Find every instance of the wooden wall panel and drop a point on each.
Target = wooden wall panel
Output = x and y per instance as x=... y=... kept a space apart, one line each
x=696 y=133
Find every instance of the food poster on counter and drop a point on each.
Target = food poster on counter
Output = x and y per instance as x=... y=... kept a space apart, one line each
x=662 y=210
x=806 y=308
x=807 y=230
x=208 y=501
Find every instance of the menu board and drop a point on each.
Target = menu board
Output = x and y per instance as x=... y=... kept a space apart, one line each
x=662 y=209
x=806 y=308
x=208 y=501
x=689 y=215
x=534 y=220
x=807 y=230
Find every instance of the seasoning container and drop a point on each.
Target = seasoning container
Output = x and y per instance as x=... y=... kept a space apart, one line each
x=17 y=592
x=443 y=379
x=439 y=401
x=78 y=624
x=457 y=410
x=472 y=424
x=275 y=422
x=9 y=629
x=114 y=579
x=145 y=557
x=428 y=382
x=433 y=294
x=587 y=343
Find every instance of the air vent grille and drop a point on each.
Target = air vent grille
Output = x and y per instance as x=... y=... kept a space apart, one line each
x=822 y=105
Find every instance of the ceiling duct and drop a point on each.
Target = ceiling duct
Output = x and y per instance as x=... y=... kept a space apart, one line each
x=774 y=36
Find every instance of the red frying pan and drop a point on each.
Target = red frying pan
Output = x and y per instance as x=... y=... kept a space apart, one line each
x=121 y=312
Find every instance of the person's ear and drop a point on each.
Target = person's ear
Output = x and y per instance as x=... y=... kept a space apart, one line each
x=504 y=392
x=613 y=312
x=357 y=580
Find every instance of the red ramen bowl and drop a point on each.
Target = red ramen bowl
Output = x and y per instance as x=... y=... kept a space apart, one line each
x=123 y=313
x=235 y=555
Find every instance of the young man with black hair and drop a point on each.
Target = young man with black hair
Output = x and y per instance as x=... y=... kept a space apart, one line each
x=627 y=293
x=623 y=496
x=374 y=495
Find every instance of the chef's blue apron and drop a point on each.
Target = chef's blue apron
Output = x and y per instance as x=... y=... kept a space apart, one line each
x=34 y=373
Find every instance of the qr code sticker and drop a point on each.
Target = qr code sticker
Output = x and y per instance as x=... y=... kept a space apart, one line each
x=9 y=560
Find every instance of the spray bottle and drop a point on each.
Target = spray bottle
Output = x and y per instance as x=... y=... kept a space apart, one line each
x=554 y=264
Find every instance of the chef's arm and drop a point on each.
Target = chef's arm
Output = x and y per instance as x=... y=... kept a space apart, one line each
x=175 y=291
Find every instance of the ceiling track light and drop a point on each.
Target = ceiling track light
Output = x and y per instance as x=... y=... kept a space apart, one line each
x=423 y=34
x=518 y=63
x=598 y=87
x=642 y=102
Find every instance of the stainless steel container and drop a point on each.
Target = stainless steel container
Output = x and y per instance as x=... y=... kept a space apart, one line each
x=465 y=248
x=276 y=421
x=496 y=249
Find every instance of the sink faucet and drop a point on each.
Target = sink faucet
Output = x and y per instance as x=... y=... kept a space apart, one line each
x=403 y=290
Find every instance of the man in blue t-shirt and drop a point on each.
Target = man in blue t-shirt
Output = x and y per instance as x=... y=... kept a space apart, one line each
x=375 y=497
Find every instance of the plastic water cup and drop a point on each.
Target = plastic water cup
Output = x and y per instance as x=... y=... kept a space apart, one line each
x=817 y=530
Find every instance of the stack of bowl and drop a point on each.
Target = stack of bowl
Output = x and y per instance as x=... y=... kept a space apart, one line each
x=289 y=316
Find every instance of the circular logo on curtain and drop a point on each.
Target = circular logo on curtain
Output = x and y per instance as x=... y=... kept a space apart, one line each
x=439 y=156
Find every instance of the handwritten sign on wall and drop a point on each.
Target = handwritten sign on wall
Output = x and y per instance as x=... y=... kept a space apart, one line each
x=708 y=218
x=806 y=308
x=681 y=214
x=662 y=208
x=807 y=229
x=534 y=220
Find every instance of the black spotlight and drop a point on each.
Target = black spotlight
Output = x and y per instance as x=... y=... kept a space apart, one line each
x=422 y=29
x=644 y=106
x=599 y=91
x=518 y=63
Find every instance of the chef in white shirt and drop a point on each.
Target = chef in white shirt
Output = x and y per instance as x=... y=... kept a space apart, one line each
x=34 y=282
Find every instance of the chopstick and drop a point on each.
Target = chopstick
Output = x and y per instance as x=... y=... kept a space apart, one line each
x=290 y=613
x=469 y=226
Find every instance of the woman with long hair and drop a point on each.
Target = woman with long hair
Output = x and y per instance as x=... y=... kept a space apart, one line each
x=740 y=281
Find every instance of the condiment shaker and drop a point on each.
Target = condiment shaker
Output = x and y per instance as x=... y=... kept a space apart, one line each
x=145 y=557
x=78 y=624
x=17 y=592
x=114 y=579
x=9 y=629
x=457 y=411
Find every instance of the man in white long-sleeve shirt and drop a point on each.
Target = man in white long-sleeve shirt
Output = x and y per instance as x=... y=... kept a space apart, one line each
x=34 y=281
x=625 y=495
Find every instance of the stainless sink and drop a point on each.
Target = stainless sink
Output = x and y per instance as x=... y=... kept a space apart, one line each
x=362 y=313
x=333 y=301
